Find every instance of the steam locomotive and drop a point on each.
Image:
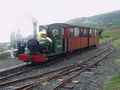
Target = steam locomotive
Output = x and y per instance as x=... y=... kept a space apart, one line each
x=59 y=38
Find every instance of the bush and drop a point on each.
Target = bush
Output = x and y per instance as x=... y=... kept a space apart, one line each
x=116 y=43
x=100 y=31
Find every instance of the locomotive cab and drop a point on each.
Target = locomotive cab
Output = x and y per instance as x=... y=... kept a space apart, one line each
x=55 y=33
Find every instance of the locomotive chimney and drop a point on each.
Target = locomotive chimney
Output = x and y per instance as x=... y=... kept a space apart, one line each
x=34 y=28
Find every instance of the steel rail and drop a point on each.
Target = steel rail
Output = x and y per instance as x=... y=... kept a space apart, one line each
x=31 y=77
x=18 y=80
x=14 y=74
x=34 y=84
x=66 y=67
x=77 y=74
x=56 y=76
x=49 y=78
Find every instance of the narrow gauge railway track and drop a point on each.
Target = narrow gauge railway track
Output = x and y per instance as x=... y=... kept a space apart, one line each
x=76 y=67
x=8 y=73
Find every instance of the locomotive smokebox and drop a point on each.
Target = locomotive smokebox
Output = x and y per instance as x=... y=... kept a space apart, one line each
x=37 y=47
x=33 y=45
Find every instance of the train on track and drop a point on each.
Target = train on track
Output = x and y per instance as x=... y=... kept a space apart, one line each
x=58 y=39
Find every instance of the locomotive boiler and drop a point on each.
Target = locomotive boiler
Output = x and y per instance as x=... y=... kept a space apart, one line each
x=41 y=45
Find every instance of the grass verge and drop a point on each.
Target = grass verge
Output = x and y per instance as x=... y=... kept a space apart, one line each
x=101 y=39
x=116 y=43
x=2 y=56
x=113 y=84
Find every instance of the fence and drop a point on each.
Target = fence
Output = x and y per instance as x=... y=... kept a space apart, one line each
x=7 y=52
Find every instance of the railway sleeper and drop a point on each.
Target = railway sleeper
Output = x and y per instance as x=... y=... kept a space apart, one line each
x=91 y=69
x=69 y=86
x=80 y=65
x=83 y=64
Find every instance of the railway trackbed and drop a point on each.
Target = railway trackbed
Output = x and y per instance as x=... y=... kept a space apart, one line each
x=69 y=72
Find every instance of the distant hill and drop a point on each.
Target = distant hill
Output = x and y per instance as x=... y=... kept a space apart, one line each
x=105 y=21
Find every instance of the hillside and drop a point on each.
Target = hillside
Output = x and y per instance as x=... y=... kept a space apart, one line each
x=110 y=33
x=113 y=33
x=105 y=21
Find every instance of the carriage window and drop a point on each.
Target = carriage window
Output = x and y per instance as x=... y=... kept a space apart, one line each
x=95 y=33
x=90 y=32
x=71 y=32
x=85 y=32
x=76 y=32
x=81 y=33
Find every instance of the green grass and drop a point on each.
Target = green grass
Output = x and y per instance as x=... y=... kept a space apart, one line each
x=2 y=56
x=116 y=43
x=113 y=84
x=119 y=57
x=104 y=38
x=109 y=34
x=112 y=33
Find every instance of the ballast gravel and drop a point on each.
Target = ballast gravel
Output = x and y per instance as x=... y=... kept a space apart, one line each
x=93 y=79
x=97 y=77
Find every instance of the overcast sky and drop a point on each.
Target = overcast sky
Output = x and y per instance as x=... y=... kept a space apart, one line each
x=17 y=14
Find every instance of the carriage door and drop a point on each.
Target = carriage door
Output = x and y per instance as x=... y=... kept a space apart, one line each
x=64 y=39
